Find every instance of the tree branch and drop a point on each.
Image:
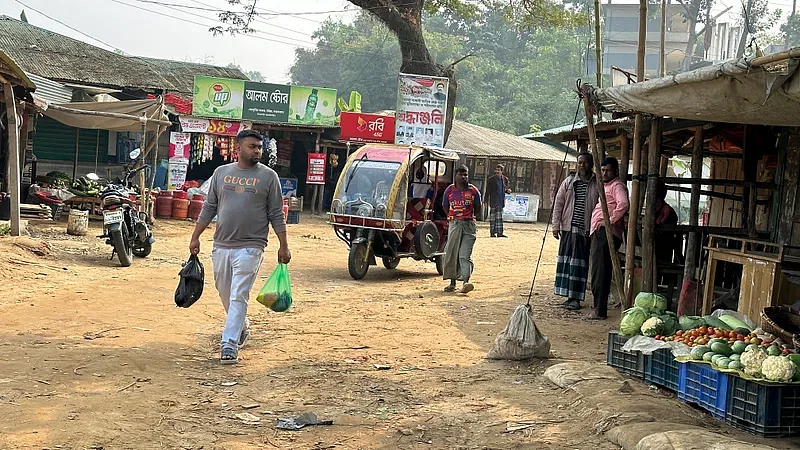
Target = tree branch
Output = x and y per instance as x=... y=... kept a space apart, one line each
x=467 y=56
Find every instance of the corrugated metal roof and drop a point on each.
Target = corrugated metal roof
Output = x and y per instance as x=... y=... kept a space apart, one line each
x=477 y=141
x=57 y=57
x=52 y=91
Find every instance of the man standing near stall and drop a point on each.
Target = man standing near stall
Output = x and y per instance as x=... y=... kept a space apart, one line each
x=617 y=199
x=496 y=190
x=462 y=201
x=572 y=211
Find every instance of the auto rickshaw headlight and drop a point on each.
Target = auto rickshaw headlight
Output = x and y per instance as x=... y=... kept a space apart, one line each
x=380 y=210
x=337 y=206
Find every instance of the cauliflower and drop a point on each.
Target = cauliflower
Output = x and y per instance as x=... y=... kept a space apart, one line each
x=777 y=368
x=652 y=327
x=752 y=361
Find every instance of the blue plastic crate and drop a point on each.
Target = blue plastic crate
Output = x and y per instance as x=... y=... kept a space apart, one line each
x=702 y=385
x=293 y=217
x=764 y=409
x=661 y=369
x=631 y=363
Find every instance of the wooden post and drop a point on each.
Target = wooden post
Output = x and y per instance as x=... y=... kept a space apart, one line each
x=77 y=147
x=694 y=207
x=601 y=148
x=597 y=48
x=618 y=291
x=322 y=186
x=624 y=164
x=633 y=212
x=13 y=158
x=663 y=56
x=648 y=227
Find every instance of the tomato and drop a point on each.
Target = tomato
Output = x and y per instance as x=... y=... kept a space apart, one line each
x=658 y=337
x=739 y=337
x=702 y=330
x=693 y=333
x=711 y=330
x=679 y=333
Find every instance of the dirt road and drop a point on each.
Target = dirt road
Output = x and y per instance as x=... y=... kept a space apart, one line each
x=97 y=356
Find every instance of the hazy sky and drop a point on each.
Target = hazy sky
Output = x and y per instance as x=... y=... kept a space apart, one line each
x=172 y=32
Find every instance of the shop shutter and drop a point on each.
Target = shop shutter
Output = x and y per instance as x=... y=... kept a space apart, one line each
x=55 y=141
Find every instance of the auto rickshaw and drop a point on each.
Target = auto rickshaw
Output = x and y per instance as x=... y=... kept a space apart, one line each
x=388 y=205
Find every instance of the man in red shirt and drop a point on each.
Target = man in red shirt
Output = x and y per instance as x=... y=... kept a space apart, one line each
x=462 y=201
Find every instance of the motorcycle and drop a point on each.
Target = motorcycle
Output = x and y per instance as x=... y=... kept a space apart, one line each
x=125 y=227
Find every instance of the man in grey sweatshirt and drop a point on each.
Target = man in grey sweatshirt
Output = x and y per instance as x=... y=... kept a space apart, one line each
x=246 y=198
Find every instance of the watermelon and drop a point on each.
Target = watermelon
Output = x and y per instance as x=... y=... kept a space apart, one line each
x=735 y=357
x=739 y=347
x=735 y=365
x=723 y=362
x=721 y=348
x=698 y=352
x=708 y=355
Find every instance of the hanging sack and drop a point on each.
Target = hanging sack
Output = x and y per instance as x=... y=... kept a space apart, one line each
x=521 y=338
x=277 y=291
x=190 y=287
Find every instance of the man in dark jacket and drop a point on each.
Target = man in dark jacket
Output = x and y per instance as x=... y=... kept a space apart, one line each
x=496 y=190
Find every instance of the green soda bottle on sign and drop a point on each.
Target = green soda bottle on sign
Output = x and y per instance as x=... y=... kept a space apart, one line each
x=311 y=106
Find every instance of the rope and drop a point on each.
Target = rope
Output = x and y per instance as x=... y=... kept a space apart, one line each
x=558 y=184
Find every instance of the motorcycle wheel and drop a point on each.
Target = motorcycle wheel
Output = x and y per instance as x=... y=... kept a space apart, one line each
x=124 y=252
x=358 y=261
x=143 y=250
x=390 y=263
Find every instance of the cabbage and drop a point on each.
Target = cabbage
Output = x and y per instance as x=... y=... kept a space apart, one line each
x=650 y=300
x=691 y=322
x=632 y=320
x=670 y=324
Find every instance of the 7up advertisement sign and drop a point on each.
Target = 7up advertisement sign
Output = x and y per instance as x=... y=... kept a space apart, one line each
x=216 y=97
x=224 y=98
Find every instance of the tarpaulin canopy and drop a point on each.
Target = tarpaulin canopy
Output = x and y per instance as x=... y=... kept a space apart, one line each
x=732 y=92
x=128 y=115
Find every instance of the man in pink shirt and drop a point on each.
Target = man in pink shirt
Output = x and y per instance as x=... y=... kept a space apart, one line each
x=617 y=198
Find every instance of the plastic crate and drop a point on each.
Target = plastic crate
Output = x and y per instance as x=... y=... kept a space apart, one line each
x=293 y=217
x=702 y=385
x=768 y=410
x=661 y=369
x=631 y=363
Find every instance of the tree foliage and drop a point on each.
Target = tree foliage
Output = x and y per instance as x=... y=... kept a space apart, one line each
x=519 y=77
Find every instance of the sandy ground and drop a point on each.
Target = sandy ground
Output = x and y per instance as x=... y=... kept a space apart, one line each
x=97 y=356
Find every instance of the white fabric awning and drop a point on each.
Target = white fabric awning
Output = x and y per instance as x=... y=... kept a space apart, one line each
x=732 y=92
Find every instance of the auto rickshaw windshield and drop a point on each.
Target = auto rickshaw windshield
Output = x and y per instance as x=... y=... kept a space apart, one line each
x=369 y=180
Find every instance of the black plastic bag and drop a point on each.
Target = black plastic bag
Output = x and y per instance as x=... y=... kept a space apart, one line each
x=190 y=288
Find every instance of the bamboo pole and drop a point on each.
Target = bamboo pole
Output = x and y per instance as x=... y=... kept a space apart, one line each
x=648 y=227
x=597 y=46
x=663 y=56
x=625 y=163
x=619 y=292
x=13 y=158
x=633 y=212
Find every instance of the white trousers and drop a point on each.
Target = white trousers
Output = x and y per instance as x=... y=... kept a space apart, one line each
x=235 y=271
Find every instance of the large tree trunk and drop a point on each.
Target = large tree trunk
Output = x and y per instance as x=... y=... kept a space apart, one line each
x=404 y=19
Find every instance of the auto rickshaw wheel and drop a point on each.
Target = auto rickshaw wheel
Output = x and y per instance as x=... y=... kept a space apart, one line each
x=358 y=261
x=439 y=260
x=390 y=263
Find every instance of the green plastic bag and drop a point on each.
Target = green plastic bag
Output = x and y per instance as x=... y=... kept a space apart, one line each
x=277 y=291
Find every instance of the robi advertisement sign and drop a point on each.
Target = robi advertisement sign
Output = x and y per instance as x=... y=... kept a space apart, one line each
x=359 y=127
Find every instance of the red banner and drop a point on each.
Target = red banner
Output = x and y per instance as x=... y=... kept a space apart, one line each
x=316 y=168
x=359 y=127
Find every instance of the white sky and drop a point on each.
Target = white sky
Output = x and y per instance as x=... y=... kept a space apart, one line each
x=138 y=32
